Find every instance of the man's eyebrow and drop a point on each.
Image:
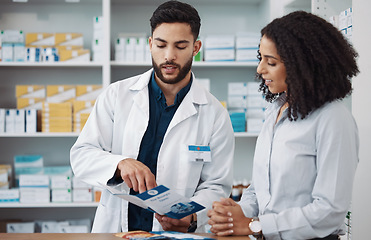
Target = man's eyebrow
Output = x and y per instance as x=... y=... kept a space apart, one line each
x=160 y=39
x=178 y=42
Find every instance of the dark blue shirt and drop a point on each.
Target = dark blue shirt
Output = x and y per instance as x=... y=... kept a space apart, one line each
x=160 y=116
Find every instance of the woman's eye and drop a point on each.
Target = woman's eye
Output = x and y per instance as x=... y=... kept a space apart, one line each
x=272 y=64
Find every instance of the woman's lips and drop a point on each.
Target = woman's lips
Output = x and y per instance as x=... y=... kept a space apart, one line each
x=267 y=82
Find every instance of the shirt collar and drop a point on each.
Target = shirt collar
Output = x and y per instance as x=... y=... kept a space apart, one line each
x=158 y=92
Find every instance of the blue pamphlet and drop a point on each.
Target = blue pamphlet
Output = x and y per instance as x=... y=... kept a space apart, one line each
x=161 y=200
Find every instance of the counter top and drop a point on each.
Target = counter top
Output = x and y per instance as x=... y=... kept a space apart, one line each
x=85 y=236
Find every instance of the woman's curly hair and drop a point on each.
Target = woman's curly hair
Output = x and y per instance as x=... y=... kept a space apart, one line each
x=319 y=61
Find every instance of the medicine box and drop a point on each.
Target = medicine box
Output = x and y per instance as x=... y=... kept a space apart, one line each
x=81 y=112
x=28 y=161
x=30 y=103
x=60 y=182
x=40 y=39
x=58 y=170
x=82 y=195
x=20 y=121
x=10 y=120
x=65 y=39
x=237 y=88
x=32 y=125
x=79 y=184
x=34 y=195
x=88 y=92
x=9 y=195
x=31 y=180
x=33 y=54
x=237 y=101
x=74 y=229
x=220 y=42
x=30 y=91
x=25 y=227
x=60 y=93
x=52 y=226
x=61 y=195
x=78 y=55
x=12 y=36
x=19 y=52
x=5 y=173
x=219 y=54
x=2 y=120
x=7 y=52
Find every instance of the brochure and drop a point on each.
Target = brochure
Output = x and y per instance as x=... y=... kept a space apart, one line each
x=163 y=235
x=161 y=200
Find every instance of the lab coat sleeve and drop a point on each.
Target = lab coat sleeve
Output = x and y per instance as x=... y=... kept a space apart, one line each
x=249 y=202
x=91 y=158
x=217 y=177
x=337 y=158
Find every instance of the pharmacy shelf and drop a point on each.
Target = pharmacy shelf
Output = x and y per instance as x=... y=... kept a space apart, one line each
x=51 y=64
x=41 y=134
x=48 y=205
x=245 y=134
x=195 y=64
x=75 y=134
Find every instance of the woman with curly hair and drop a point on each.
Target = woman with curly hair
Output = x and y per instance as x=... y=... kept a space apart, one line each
x=307 y=151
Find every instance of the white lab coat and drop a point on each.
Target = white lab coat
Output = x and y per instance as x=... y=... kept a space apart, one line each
x=114 y=132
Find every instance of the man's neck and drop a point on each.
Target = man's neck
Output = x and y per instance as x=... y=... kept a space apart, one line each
x=171 y=90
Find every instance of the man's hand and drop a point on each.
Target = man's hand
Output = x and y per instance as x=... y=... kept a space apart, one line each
x=227 y=218
x=136 y=175
x=171 y=224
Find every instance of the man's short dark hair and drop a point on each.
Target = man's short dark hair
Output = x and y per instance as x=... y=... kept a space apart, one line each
x=176 y=12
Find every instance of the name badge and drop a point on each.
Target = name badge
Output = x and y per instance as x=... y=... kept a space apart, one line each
x=199 y=153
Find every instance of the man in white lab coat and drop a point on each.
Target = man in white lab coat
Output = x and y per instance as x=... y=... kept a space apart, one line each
x=140 y=130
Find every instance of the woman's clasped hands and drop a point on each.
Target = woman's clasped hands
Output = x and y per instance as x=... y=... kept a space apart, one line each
x=227 y=218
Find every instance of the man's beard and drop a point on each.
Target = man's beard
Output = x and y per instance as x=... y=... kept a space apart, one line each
x=183 y=71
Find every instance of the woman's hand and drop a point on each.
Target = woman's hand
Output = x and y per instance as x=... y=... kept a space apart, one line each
x=227 y=218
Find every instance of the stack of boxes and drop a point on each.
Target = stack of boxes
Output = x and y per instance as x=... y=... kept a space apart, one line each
x=344 y=22
x=241 y=47
x=97 y=43
x=219 y=48
x=51 y=108
x=246 y=106
x=34 y=188
x=12 y=46
x=132 y=47
x=83 y=105
x=57 y=110
x=247 y=45
x=82 y=192
x=54 y=47
x=60 y=188
x=57 y=117
x=5 y=176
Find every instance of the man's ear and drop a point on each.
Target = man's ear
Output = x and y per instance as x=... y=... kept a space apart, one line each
x=196 y=47
x=150 y=43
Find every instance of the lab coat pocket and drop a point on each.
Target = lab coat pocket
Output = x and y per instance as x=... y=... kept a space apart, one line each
x=107 y=217
x=190 y=170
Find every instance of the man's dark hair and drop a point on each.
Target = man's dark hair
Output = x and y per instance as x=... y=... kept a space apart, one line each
x=176 y=12
x=319 y=61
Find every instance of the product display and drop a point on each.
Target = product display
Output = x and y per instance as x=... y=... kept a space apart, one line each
x=46 y=42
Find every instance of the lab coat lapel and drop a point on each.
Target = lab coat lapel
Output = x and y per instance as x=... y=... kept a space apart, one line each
x=138 y=118
x=190 y=105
